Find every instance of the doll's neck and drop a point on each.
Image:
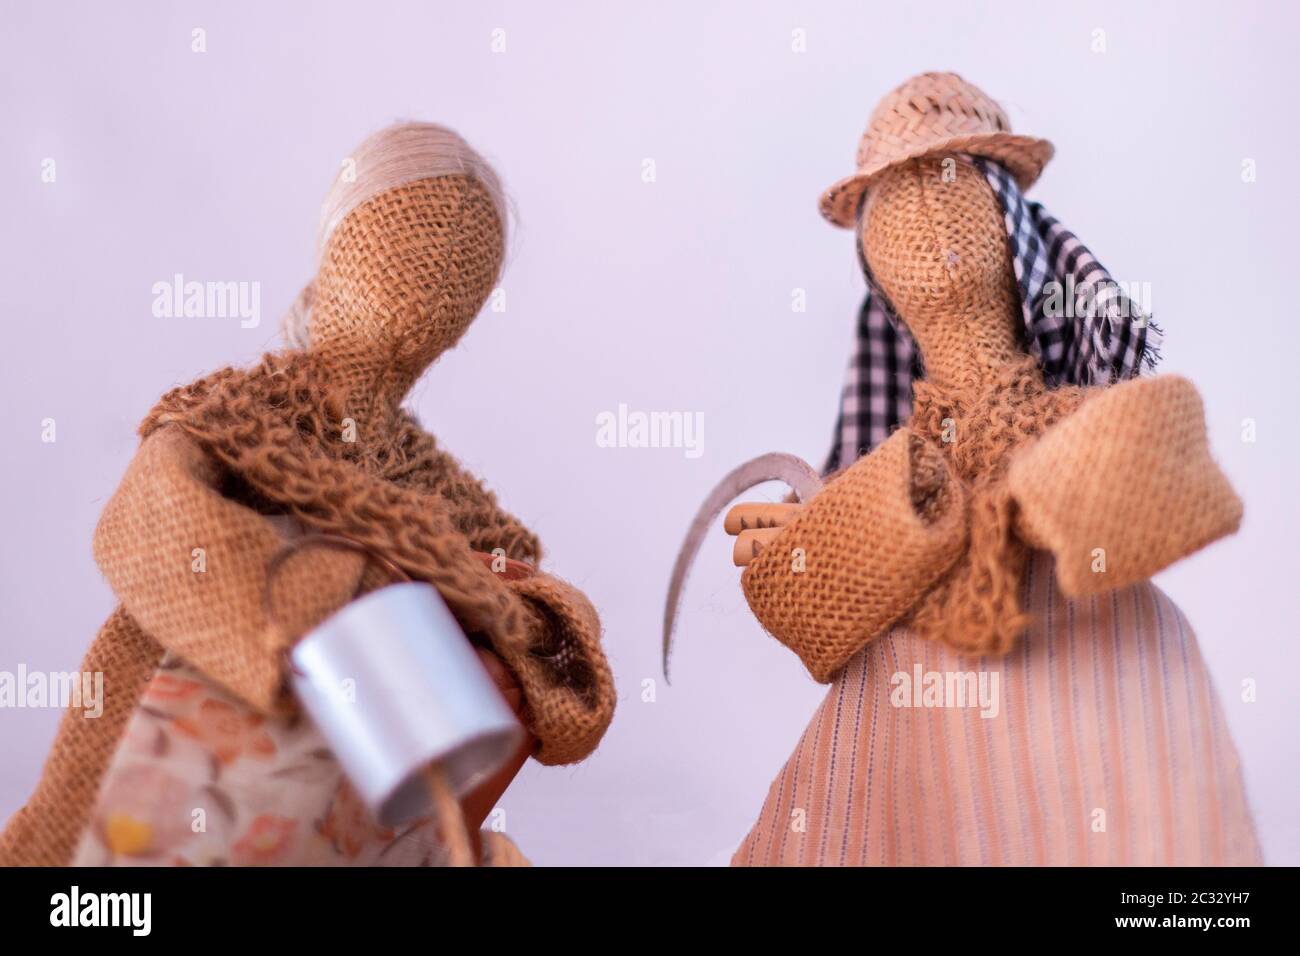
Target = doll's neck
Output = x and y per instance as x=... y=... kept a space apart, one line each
x=970 y=354
x=368 y=392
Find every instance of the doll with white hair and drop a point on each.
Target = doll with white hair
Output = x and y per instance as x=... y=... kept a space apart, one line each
x=198 y=720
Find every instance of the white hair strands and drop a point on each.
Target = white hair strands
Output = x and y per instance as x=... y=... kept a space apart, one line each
x=398 y=154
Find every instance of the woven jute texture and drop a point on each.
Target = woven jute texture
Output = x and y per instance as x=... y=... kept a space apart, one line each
x=933 y=113
x=45 y=832
x=1113 y=462
x=1149 y=435
x=319 y=436
x=864 y=535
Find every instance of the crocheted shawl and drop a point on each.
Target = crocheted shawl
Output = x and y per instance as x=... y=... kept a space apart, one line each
x=279 y=428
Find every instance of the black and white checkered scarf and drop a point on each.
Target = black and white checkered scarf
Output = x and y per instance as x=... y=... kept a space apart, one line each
x=1078 y=322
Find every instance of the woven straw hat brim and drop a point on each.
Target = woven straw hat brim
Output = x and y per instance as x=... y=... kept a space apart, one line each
x=1024 y=156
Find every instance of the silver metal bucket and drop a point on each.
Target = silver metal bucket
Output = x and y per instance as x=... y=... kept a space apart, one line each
x=394 y=685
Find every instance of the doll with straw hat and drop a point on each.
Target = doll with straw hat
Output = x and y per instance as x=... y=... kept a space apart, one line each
x=313 y=440
x=1007 y=686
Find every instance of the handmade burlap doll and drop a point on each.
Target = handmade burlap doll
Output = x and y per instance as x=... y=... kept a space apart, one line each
x=238 y=463
x=1007 y=685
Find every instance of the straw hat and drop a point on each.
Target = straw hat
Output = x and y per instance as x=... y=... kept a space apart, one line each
x=934 y=113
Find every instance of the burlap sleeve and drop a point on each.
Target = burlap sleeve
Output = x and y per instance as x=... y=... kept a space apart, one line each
x=1124 y=487
x=189 y=565
x=566 y=681
x=860 y=554
x=568 y=689
x=45 y=832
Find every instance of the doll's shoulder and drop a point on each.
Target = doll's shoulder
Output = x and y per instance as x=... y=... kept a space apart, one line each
x=169 y=454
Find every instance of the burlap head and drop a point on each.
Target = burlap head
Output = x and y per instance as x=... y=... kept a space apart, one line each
x=933 y=239
x=401 y=279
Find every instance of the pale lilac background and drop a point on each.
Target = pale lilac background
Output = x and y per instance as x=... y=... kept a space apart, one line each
x=674 y=295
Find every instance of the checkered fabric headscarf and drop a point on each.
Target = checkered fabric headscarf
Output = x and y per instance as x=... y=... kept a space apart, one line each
x=1078 y=323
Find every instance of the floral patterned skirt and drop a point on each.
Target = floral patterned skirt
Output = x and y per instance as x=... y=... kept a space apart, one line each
x=200 y=779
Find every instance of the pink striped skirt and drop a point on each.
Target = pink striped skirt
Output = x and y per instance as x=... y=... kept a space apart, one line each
x=1098 y=741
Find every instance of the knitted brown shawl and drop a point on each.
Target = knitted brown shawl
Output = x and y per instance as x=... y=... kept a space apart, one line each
x=278 y=428
x=975 y=606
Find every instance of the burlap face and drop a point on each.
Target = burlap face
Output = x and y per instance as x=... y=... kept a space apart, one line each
x=934 y=239
x=400 y=280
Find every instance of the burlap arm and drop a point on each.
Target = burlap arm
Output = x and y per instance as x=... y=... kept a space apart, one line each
x=860 y=554
x=566 y=681
x=567 y=684
x=189 y=566
x=1124 y=487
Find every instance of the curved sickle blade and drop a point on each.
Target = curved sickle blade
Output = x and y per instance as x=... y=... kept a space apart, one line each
x=777 y=466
